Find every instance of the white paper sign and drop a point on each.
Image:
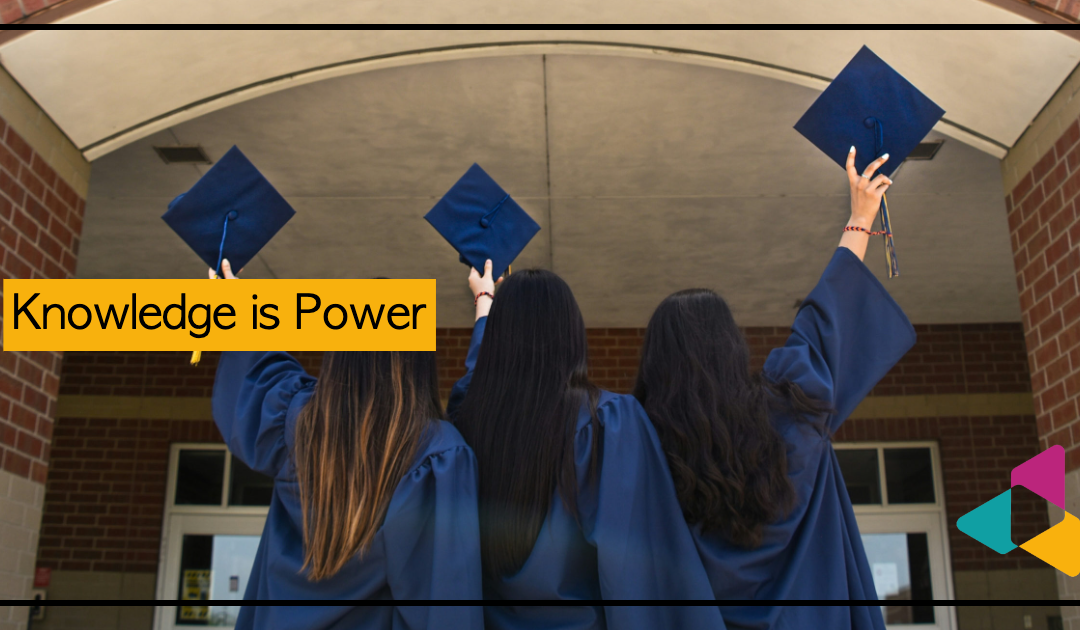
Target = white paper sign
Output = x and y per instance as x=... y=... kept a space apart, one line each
x=886 y=579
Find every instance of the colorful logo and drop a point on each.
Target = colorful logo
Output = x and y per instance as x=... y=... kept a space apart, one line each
x=991 y=522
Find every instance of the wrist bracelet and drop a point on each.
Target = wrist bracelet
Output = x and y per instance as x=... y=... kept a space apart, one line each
x=477 y=299
x=855 y=228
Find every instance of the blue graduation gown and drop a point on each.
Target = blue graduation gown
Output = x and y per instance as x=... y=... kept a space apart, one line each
x=632 y=542
x=847 y=335
x=427 y=548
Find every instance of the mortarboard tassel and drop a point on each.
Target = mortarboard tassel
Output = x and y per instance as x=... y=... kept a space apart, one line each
x=883 y=213
x=890 y=247
x=197 y=355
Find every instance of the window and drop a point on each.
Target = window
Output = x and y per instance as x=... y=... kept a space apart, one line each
x=215 y=510
x=896 y=493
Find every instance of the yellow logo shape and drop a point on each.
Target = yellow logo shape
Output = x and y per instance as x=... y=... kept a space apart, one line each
x=1058 y=546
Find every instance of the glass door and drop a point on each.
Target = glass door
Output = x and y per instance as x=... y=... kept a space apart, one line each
x=207 y=558
x=214 y=516
x=907 y=557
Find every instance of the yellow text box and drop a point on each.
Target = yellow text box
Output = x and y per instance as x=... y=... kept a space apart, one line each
x=67 y=315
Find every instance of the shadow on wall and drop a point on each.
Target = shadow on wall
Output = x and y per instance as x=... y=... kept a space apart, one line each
x=1009 y=617
x=97 y=617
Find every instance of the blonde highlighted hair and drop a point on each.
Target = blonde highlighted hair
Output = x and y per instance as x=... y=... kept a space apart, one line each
x=355 y=440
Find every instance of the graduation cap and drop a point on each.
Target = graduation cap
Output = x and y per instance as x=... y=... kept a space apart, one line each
x=482 y=221
x=231 y=212
x=871 y=107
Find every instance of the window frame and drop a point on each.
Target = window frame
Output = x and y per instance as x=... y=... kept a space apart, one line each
x=886 y=507
x=224 y=507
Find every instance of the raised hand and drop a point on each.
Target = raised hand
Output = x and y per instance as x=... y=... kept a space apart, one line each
x=866 y=192
x=480 y=285
x=226 y=270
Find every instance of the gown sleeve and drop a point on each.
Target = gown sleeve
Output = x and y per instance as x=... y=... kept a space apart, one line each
x=645 y=550
x=457 y=394
x=252 y=394
x=432 y=540
x=847 y=335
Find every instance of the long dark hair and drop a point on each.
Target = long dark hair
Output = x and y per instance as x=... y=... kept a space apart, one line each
x=355 y=439
x=521 y=410
x=712 y=415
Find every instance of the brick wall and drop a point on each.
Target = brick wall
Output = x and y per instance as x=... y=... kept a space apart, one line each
x=106 y=488
x=1065 y=9
x=947 y=359
x=40 y=224
x=106 y=492
x=1045 y=233
x=11 y=10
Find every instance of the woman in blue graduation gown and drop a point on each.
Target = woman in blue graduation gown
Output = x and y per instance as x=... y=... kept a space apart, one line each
x=576 y=501
x=374 y=496
x=751 y=455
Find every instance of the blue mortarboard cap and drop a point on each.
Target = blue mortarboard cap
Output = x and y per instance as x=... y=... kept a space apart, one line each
x=869 y=105
x=482 y=221
x=231 y=212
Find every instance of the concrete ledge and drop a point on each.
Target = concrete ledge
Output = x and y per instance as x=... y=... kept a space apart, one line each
x=169 y=408
x=1062 y=109
x=103 y=587
x=945 y=405
x=23 y=114
x=151 y=407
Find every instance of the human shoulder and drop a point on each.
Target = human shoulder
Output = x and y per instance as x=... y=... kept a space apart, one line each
x=612 y=408
x=441 y=440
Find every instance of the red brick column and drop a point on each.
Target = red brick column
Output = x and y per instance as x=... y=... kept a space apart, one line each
x=1045 y=233
x=40 y=223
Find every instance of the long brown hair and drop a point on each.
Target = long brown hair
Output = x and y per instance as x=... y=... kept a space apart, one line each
x=713 y=417
x=355 y=439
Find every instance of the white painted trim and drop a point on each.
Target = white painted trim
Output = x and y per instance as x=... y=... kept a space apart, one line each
x=303 y=77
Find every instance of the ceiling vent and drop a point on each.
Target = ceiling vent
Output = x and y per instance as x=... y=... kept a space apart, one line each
x=926 y=150
x=183 y=155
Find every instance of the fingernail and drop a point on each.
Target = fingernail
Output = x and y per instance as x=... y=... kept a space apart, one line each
x=885 y=157
x=852 y=150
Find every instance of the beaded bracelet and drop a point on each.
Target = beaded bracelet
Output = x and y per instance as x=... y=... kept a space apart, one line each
x=477 y=299
x=855 y=228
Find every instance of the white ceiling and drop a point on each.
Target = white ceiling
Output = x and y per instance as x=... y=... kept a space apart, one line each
x=97 y=84
x=662 y=176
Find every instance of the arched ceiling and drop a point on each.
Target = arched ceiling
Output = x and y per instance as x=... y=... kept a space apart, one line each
x=106 y=88
x=646 y=176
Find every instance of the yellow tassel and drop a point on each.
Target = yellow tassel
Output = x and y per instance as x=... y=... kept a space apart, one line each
x=197 y=355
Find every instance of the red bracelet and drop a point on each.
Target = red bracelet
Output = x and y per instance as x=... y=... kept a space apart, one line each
x=855 y=228
x=477 y=299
